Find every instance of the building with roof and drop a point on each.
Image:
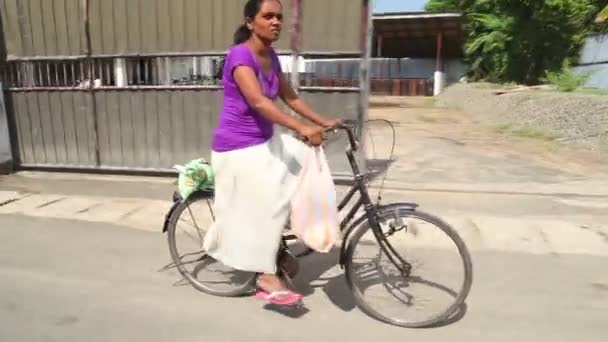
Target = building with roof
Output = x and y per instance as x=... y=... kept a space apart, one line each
x=428 y=46
x=413 y=53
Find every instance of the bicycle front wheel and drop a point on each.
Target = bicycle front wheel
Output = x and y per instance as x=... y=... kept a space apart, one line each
x=414 y=271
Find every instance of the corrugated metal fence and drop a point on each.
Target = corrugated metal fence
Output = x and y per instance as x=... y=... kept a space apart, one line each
x=55 y=27
x=135 y=87
x=137 y=130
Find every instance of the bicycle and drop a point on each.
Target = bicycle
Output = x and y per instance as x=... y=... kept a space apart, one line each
x=354 y=226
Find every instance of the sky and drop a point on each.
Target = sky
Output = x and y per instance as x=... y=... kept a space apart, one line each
x=398 y=5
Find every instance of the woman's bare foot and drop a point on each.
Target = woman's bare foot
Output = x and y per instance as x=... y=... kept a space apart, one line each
x=271 y=283
x=274 y=291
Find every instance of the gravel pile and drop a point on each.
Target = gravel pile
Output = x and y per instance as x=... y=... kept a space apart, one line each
x=580 y=119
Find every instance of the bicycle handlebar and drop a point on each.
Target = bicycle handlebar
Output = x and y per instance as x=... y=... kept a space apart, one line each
x=354 y=145
x=350 y=132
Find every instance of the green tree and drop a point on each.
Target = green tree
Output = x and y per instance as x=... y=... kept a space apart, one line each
x=448 y=5
x=520 y=40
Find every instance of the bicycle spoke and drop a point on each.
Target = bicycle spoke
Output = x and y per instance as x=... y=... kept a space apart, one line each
x=405 y=274
x=211 y=210
x=181 y=282
x=190 y=224
x=198 y=268
x=391 y=253
x=392 y=289
x=194 y=238
x=174 y=265
x=203 y=257
x=194 y=221
x=195 y=226
x=392 y=285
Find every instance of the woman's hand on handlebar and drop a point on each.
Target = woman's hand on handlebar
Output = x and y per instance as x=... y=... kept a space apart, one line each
x=313 y=134
x=331 y=123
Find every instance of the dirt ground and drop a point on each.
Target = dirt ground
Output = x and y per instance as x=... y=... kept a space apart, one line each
x=441 y=146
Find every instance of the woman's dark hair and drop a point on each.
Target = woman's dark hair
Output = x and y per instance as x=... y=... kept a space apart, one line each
x=242 y=33
x=252 y=7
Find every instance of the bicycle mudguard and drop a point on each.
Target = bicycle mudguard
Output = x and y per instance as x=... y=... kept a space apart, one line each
x=168 y=215
x=363 y=218
x=177 y=200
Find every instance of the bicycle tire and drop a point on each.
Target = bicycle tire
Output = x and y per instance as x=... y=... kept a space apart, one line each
x=241 y=290
x=404 y=211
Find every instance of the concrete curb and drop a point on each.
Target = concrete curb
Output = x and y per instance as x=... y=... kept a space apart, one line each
x=591 y=188
x=531 y=235
x=573 y=189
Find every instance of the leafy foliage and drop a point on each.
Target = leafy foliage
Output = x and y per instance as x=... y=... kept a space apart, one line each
x=566 y=79
x=520 y=40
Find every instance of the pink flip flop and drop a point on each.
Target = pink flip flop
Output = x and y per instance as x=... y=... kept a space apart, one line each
x=287 y=298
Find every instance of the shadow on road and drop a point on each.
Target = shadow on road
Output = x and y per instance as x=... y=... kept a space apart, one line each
x=290 y=312
x=321 y=271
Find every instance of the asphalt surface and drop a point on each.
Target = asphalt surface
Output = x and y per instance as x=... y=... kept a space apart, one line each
x=66 y=280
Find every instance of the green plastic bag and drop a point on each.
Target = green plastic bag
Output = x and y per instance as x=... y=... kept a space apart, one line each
x=194 y=176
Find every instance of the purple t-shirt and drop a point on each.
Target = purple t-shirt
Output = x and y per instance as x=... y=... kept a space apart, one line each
x=240 y=125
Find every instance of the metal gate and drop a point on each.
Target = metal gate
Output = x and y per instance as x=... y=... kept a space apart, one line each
x=87 y=86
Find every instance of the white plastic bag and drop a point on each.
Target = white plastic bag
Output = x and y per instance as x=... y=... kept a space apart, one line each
x=314 y=208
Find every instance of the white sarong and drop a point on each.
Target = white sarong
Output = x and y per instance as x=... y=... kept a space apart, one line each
x=253 y=190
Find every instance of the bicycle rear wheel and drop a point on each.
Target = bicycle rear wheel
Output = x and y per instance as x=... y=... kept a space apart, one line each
x=186 y=230
x=420 y=278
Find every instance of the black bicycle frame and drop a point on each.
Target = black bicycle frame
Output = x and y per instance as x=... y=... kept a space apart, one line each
x=363 y=201
x=359 y=186
x=371 y=210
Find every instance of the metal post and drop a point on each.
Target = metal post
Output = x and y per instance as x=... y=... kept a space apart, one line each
x=167 y=62
x=120 y=72
x=195 y=68
x=365 y=37
x=366 y=47
x=439 y=78
x=91 y=79
x=296 y=42
x=6 y=155
x=439 y=51
x=29 y=79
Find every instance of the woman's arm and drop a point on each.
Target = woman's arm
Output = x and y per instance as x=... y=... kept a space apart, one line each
x=300 y=106
x=250 y=88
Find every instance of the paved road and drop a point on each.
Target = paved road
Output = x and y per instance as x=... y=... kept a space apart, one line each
x=78 y=281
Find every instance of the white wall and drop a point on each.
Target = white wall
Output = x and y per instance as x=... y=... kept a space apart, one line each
x=594 y=60
x=598 y=75
x=595 y=50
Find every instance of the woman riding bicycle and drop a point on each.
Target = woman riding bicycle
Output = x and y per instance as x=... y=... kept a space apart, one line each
x=256 y=169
